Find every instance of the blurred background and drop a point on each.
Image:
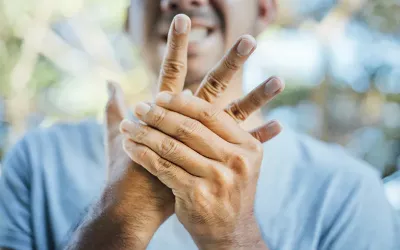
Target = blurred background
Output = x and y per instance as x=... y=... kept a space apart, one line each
x=340 y=60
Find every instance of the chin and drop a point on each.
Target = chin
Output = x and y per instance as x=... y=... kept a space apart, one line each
x=193 y=82
x=192 y=86
x=198 y=67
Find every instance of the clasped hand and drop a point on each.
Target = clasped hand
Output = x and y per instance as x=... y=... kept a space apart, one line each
x=199 y=151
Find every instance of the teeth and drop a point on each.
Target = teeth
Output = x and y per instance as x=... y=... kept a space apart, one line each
x=197 y=34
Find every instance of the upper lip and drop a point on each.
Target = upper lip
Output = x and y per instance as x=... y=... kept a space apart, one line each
x=163 y=27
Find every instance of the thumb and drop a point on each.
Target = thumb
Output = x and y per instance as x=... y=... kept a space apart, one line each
x=115 y=109
x=114 y=114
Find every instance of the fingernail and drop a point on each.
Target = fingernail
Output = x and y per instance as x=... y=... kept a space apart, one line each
x=142 y=108
x=272 y=86
x=110 y=90
x=124 y=126
x=163 y=98
x=181 y=24
x=187 y=92
x=246 y=45
x=274 y=126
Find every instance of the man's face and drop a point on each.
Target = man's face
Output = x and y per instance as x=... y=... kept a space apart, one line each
x=216 y=25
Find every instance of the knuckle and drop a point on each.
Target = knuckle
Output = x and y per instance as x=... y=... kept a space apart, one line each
x=158 y=116
x=256 y=100
x=240 y=165
x=209 y=115
x=200 y=191
x=143 y=153
x=256 y=146
x=237 y=112
x=231 y=64
x=141 y=133
x=168 y=147
x=187 y=128
x=176 y=44
x=164 y=168
x=172 y=68
x=223 y=179
x=216 y=84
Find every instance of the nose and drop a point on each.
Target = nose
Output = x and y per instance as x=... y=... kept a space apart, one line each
x=174 y=5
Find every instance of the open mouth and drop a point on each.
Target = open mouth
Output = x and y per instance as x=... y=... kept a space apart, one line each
x=199 y=32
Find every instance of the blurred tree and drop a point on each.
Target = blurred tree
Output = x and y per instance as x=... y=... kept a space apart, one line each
x=381 y=15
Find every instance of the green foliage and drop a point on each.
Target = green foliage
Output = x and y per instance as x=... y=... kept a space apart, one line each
x=9 y=54
x=393 y=98
x=382 y=15
x=44 y=75
x=291 y=96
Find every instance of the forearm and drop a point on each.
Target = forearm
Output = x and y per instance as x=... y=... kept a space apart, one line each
x=114 y=227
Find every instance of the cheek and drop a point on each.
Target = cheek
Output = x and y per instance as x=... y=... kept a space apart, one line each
x=240 y=17
x=142 y=20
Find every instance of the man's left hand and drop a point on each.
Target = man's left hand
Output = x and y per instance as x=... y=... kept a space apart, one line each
x=210 y=163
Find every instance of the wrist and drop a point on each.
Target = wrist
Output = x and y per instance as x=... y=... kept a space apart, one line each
x=135 y=218
x=136 y=196
x=247 y=237
x=235 y=244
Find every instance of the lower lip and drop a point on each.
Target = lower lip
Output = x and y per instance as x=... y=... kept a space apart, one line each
x=194 y=48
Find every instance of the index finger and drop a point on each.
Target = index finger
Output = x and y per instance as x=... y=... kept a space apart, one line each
x=174 y=66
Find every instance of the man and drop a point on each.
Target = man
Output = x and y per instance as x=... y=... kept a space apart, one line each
x=309 y=195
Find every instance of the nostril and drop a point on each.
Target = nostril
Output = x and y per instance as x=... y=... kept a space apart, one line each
x=173 y=6
x=195 y=3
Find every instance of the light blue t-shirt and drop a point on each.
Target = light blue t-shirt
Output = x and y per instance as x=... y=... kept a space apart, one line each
x=310 y=195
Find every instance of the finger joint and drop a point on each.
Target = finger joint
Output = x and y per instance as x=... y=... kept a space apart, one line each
x=231 y=64
x=158 y=116
x=237 y=112
x=141 y=133
x=186 y=129
x=172 y=69
x=168 y=147
x=216 y=84
x=209 y=115
x=256 y=100
x=164 y=169
x=239 y=164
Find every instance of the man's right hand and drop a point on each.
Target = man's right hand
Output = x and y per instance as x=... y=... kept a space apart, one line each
x=134 y=203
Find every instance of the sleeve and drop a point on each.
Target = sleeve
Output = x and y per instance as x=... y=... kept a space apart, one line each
x=15 y=217
x=364 y=220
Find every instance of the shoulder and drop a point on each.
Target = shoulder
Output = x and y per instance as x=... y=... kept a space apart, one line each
x=53 y=142
x=335 y=169
x=63 y=136
x=333 y=199
x=309 y=160
x=352 y=202
x=60 y=132
x=330 y=160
